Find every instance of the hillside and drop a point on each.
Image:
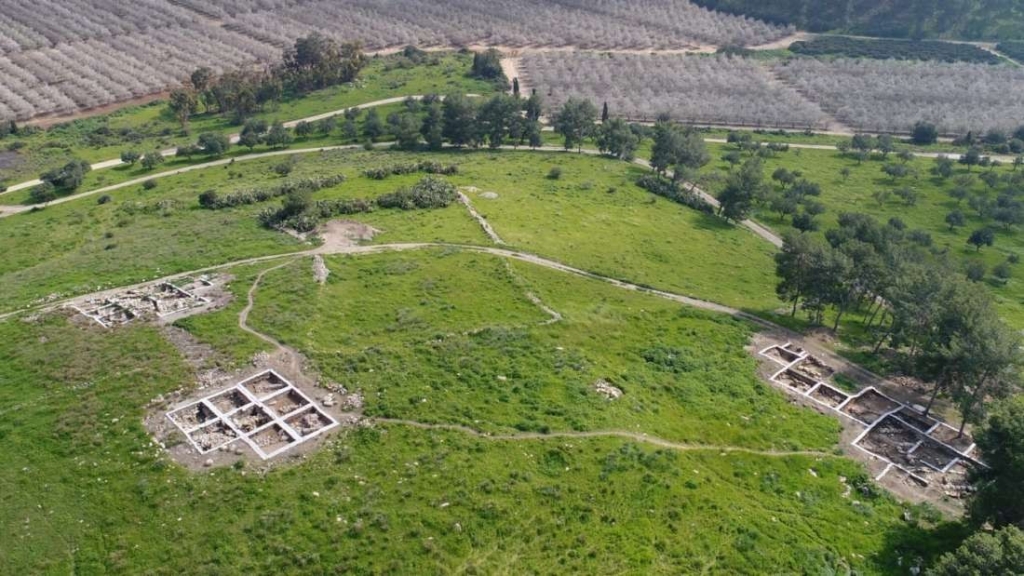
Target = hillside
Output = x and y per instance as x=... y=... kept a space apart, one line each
x=952 y=19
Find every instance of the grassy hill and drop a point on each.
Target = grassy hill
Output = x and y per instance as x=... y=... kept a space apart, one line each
x=952 y=19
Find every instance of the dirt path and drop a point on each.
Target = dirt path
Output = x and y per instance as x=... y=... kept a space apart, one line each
x=480 y=220
x=635 y=436
x=243 y=316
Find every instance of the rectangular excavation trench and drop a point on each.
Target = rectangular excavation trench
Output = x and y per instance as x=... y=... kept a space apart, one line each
x=266 y=411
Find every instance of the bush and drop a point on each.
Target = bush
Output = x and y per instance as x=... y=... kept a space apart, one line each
x=257 y=195
x=427 y=167
x=149 y=184
x=208 y=199
x=555 y=173
x=671 y=190
x=283 y=168
x=105 y=199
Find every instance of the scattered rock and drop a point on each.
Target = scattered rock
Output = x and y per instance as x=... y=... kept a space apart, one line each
x=490 y=195
x=606 y=389
x=328 y=400
x=352 y=402
x=208 y=463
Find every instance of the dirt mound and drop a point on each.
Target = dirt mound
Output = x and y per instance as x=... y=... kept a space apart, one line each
x=345 y=233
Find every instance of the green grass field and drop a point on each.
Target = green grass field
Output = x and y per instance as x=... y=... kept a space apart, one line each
x=86 y=490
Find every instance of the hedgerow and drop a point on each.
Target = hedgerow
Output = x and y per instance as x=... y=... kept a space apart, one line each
x=884 y=49
x=673 y=191
x=256 y=195
x=424 y=166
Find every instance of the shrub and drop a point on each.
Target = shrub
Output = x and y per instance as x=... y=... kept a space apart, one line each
x=105 y=199
x=149 y=184
x=672 y=191
x=257 y=195
x=555 y=173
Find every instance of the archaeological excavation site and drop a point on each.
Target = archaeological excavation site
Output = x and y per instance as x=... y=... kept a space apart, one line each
x=899 y=442
x=265 y=413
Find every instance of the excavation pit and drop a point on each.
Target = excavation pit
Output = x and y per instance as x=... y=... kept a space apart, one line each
x=814 y=369
x=949 y=435
x=308 y=422
x=250 y=418
x=272 y=439
x=796 y=380
x=193 y=416
x=265 y=385
x=286 y=402
x=916 y=419
x=781 y=355
x=828 y=395
x=870 y=406
x=229 y=401
x=892 y=440
x=935 y=455
x=212 y=436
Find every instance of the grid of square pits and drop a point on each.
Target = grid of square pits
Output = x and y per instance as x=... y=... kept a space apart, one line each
x=898 y=434
x=265 y=411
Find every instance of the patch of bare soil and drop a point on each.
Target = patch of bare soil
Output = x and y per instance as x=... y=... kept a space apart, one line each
x=340 y=234
x=320 y=270
x=204 y=360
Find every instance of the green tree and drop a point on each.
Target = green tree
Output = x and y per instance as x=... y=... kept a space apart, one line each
x=432 y=128
x=373 y=127
x=458 y=114
x=981 y=237
x=487 y=65
x=406 y=130
x=152 y=159
x=971 y=158
x=793 y=265
x=1001 y=441
x=615 y=138
x=743 y=188
x=304 y=130
x=924 y=133
x=213 y=143
x=67 y=178
x=183 y=104
x=253 y=133
x=42 y=193
x=984 y=554
x=943 y=167
x=495 y=117
x=130 y=157
x=956 y=219
x=278 y=136
x=575 y=121
x=316 y=61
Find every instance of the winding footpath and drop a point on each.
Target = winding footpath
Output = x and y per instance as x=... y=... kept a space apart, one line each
x=634 y=436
